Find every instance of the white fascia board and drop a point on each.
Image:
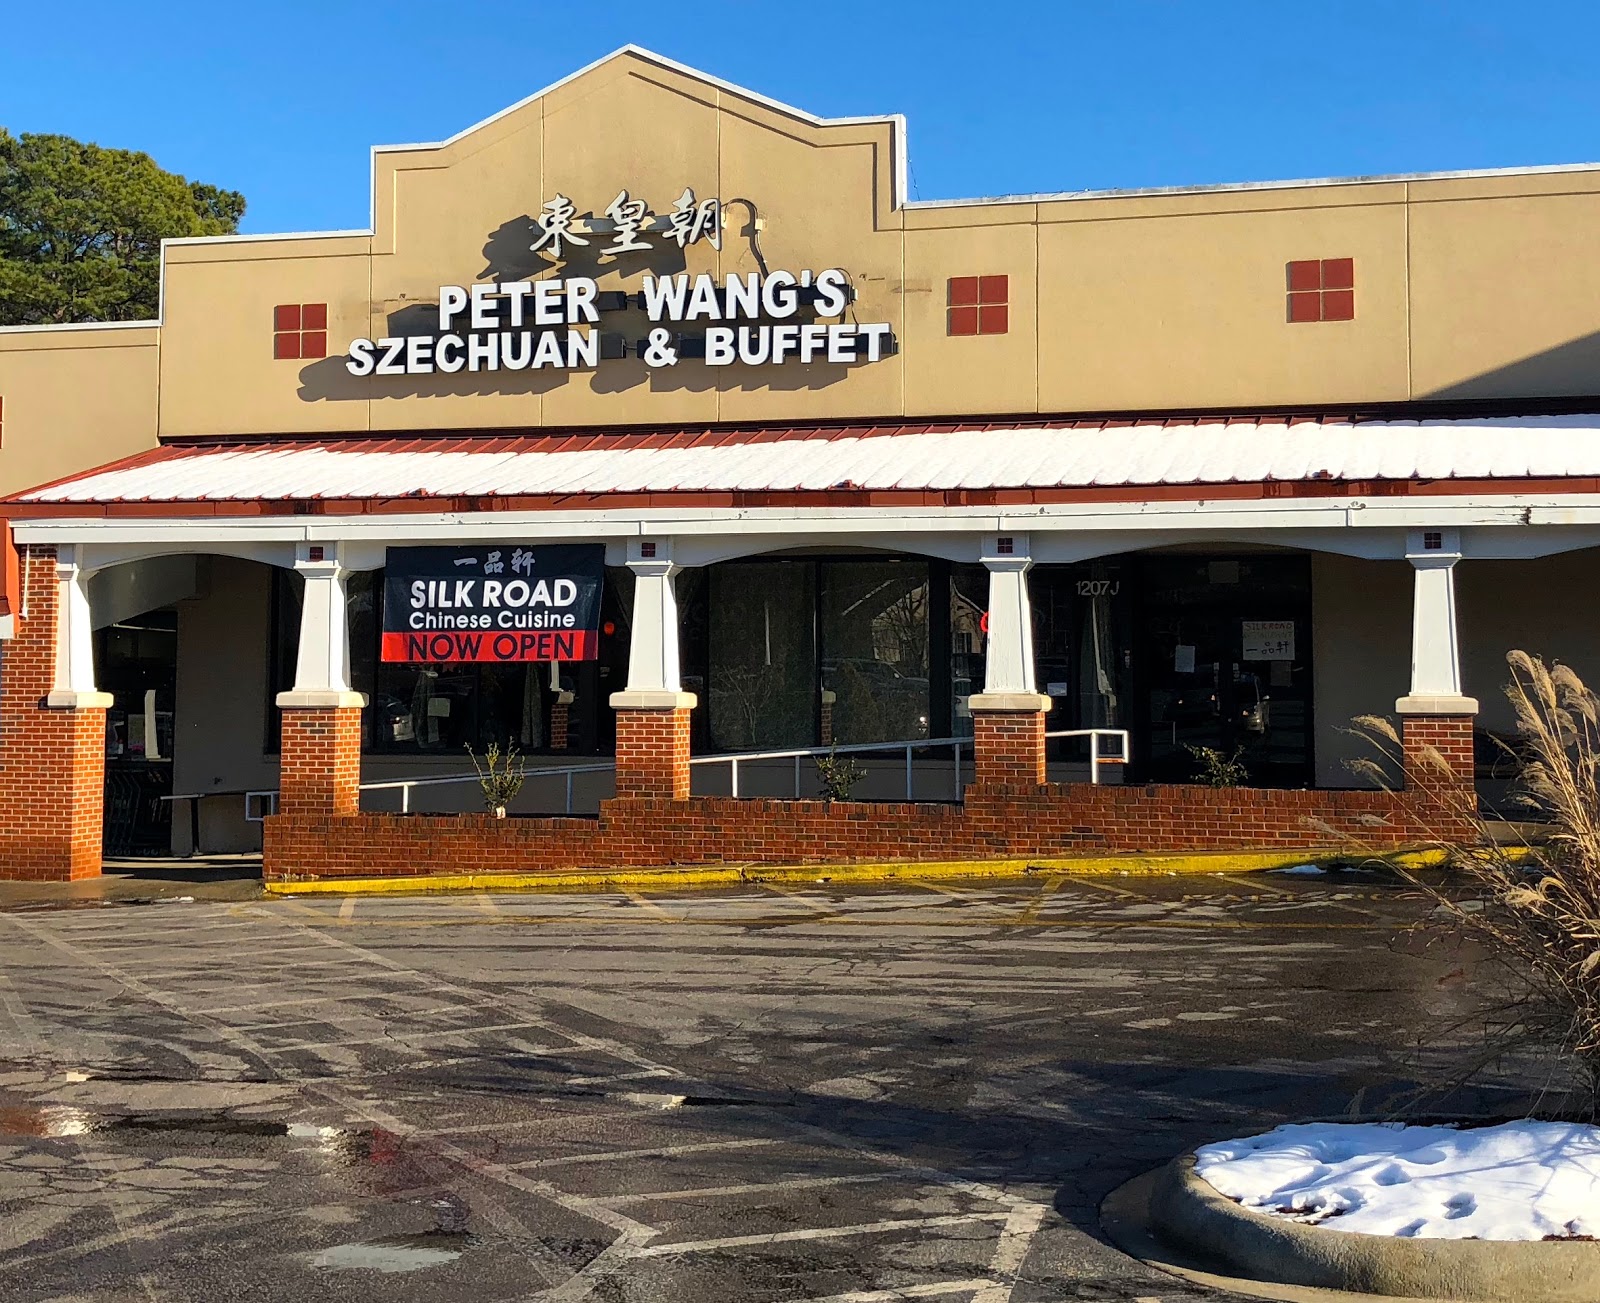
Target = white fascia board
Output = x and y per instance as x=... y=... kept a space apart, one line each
x=1190 y=516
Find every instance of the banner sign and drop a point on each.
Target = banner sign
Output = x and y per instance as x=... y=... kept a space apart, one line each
x=504 y=604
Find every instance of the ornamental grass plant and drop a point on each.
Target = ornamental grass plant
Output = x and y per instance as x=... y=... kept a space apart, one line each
x=1525 y=889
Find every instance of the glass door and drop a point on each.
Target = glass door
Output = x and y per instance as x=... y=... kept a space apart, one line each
x=1225 y=665
x=136 y=661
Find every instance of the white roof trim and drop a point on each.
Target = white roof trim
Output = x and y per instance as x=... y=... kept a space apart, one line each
x=1233 y=187
x=79 y=325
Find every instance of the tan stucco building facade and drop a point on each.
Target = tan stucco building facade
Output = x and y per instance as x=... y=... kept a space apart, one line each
x=1203 y=468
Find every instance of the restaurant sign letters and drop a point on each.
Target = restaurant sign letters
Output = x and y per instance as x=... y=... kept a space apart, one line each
x=504 y=603
x=760 y=318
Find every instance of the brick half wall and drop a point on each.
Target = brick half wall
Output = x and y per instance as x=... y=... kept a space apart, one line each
x=1046 y=821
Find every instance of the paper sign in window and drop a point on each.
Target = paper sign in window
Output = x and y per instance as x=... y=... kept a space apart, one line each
x=1268 y=640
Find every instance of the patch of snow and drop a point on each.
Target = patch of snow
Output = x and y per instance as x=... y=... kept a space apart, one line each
x=1303 y=870
x=1517 y=1181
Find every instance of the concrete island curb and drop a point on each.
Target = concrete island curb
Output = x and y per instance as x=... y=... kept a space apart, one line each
x=1185 y=1209
x=726 y=875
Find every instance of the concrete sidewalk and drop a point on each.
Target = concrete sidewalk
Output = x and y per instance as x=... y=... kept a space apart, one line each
x=141 y=881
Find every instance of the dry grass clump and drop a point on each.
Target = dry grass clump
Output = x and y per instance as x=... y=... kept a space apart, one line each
x=1533 y=902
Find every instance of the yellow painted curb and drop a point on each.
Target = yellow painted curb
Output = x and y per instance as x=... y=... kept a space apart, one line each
x=724 y=875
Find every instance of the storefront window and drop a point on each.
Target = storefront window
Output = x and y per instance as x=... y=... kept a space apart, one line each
x=1227 y=665
x=548 y=707
x=763 y=655
x=875 y=651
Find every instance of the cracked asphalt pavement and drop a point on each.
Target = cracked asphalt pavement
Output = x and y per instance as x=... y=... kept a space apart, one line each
x=916 y=1091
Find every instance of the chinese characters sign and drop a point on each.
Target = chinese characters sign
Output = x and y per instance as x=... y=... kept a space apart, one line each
x=503 y=603
x=629 y=222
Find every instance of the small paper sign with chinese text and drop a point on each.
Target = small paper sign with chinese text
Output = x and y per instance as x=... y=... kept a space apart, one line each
x=1268 y=640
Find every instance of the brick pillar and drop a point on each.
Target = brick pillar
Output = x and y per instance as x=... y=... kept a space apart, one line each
x=320 y=763
x=653 y=752
x=52 y=758
x=1425 y=741
x=1007 y=748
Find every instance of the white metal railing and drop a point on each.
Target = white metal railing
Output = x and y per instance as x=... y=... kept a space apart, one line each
x=404 y=785
x=734 y=759
x=1095 y=758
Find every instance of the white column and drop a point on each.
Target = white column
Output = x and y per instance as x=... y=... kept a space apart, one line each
x=1435 y=646
x=654 y=681
x=1008 y=679
x=73 y=685
x=322 y=669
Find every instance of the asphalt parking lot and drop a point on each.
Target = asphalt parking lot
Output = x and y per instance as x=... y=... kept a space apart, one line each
x=917 y=1091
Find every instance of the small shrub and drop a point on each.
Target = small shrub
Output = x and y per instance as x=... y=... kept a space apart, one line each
x=500 y=774
x=1217 y=770
x=839 y=776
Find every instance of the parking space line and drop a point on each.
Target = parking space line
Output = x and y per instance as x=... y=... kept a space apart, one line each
x=755 y=1187
x=818 y=1233
x=1108 y=923
x=956 y=894
x=1078 y=880
x=649 y=906
x=660 y=1151
x=800 y=898
x=904 y=1292
x=520 y=1124
x=1047 y=889
x=1252 y=886
x=347 y=911
x=1016 y=1237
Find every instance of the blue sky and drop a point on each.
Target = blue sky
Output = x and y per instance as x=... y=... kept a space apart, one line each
x=282 y=99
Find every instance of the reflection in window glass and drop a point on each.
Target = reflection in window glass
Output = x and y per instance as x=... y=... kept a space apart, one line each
x=875 y=651
x=969 y=603
x=763 y=658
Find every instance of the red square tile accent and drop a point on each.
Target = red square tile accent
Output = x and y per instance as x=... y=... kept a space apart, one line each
x=1305 y=276
x=962 y=291
x=301 y=330
x=992 y=289
x=1338 y=273
x=1338 y=305
x=992 y=319
x=962 y=321
x=1305 y=307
